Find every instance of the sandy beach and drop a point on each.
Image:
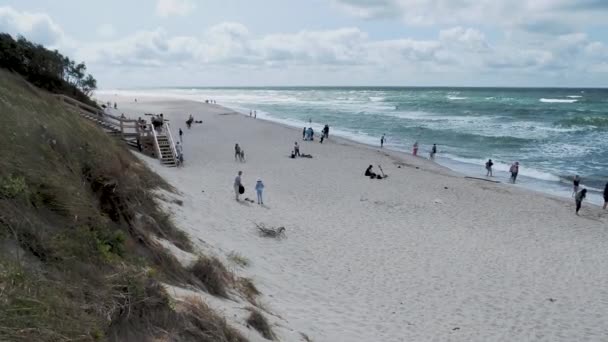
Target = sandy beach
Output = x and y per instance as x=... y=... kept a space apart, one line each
x=423 y=255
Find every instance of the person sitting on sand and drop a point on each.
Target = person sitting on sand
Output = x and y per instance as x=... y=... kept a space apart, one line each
x=580 y=196
x=259 y=188
x=514 y=171
x=489 y=165
x=296 y=150
x=369 y=172
x=576 y=182
x=237 y=152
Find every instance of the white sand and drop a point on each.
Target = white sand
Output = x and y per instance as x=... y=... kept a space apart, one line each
x=424 y=255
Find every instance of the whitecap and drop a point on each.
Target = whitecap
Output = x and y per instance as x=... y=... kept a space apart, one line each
x=558 y=100
x=450 y=97
x=574 y=96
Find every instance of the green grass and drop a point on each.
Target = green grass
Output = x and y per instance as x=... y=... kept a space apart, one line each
x=76 y=259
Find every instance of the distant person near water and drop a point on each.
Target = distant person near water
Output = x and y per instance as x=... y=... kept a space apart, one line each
x=382 y=140
x=575 y=182
x=606 y=196
x=238 y=185
x=304 y=133
x=255 y=114
x=489 y=165
x=180 y=135
x=580 y=196
x=259 y=188
x=514 y=169
x=433 y=151
x=326 y=131
x=415 y=149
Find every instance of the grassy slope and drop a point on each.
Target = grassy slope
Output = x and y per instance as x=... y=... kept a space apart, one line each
x=77 y=261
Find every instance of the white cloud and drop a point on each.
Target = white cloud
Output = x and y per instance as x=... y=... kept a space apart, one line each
x=546 y=16
x=166 y=8
x=106 y=31
x=468 y=38
x=37 y=27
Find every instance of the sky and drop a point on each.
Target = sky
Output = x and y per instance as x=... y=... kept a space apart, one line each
x=158 y=43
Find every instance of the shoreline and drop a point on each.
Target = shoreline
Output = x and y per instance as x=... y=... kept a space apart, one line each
x=551 y=188
x=420 y=255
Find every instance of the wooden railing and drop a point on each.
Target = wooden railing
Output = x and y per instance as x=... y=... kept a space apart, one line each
x=128 y=128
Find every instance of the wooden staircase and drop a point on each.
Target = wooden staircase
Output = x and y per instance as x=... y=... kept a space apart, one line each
x=167 y=155
x=132 y=132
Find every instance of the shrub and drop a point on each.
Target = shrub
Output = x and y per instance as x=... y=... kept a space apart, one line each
x=213 y=275
x=238 y=259
x=257 y=321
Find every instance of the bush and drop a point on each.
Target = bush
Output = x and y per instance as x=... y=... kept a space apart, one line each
x=214 y=276
x=257 y=321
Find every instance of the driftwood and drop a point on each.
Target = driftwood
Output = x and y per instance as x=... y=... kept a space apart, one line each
x=270 y=232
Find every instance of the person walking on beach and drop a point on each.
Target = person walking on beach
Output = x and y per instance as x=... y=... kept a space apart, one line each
x=575 y=182
x=326 y=131
x=238 y=185
x=489 y=165
x=255 y=114
x=605 y=196
x=259 y=188
x=180 y=154
x=514 y=171
x=304 y=133
x=180 y=135
x=237 y=152
x=296 y=149
x=580 y=196
x=382 y=140
x=415 y=149
x=433 y=151
x=250 y=113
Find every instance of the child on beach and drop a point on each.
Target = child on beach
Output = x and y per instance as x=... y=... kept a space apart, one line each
x=576 y=182
x=304 y=134
x=242 y=156
x=514 y=171
x=580 y=196
x=489 y=165
x=296 y=150
x=382 y=140
x=237 y=152
x=238 y=185
x=415 y=149
x=259 y=188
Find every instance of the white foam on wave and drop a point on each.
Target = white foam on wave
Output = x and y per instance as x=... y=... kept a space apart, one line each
x=504 y=167
x=574 y=96
x=558 y=100
x=376 y=98
x=454 y=98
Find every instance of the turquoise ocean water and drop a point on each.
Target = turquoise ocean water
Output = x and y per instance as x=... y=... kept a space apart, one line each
x=553 y=133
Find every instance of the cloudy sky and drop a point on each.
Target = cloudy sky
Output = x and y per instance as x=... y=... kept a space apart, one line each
x=324 y=42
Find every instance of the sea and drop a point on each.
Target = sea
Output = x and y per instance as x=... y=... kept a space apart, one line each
x=554 y=133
